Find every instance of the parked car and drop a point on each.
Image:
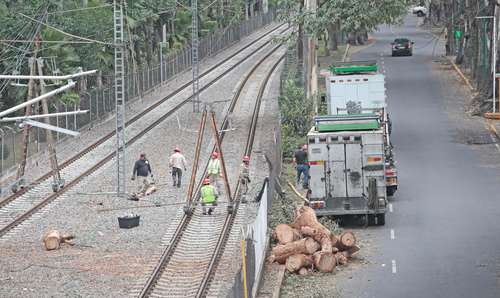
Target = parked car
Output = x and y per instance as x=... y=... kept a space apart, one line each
x=420 y=11
x=402 y=46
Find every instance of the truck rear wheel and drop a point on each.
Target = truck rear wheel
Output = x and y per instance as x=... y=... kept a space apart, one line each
x=376 y=219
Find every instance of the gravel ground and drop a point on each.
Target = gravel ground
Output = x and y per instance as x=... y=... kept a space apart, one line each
x=38 y=164
x=107 y=261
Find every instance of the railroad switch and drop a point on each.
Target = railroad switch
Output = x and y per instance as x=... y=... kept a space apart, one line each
x=230 y=208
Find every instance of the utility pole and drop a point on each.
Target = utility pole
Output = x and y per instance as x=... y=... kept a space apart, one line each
x=57 y=183
x=119 y=97
x=194 y=56
x=26 y=129
x=311 y=79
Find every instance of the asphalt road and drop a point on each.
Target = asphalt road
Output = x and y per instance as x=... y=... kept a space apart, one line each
x=442 y=238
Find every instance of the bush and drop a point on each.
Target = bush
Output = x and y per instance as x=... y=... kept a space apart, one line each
x=296 y=116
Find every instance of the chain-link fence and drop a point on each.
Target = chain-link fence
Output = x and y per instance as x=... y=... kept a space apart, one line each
x=100 y=101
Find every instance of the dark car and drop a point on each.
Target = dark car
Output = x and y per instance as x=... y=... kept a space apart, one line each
x=402 y=46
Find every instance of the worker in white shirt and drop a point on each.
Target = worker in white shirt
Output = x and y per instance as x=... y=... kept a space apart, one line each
x=177 y=163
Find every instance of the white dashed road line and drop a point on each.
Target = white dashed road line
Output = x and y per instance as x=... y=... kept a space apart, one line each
x=390 y=208
x=392 y=234
x=394 y=269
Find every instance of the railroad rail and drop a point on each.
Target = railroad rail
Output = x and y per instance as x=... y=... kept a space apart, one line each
x=22 y=205
x=190 y=259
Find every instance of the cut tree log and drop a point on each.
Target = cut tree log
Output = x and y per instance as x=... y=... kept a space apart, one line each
x=324 y=261
x=341 y=258
x=286 y=234
x=297 y=261
x=279 y=259
x=306 y=217
x=53 y=239
x=302 y=246
x=346 y=241
x=303 y=271
x=151 y=189
x=351 y=251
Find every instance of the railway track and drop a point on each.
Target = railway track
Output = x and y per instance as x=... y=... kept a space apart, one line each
x=22 y=205
x=193 y=249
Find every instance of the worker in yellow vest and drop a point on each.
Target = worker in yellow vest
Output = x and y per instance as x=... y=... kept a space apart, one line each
x=214 y=172
x=208 y=197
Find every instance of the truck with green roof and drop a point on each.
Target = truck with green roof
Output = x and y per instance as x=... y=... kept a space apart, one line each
x=352 y=170
x=358 y=88
x=347 y=161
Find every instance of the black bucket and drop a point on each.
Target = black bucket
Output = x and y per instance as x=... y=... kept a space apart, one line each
x=127 y=222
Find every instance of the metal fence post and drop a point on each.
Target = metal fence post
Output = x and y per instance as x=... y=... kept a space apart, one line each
x=74 y=118
x=2 y=154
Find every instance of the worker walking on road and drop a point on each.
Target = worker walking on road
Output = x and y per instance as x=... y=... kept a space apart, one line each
x=177 y=162
x=245 y=174
x=301 y=165
x=214 y=170
x=208 y=197
x=142 y=169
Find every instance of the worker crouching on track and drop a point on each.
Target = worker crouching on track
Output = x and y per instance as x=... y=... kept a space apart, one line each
x=214 y=170
x=142 y=169
x=245 y=174
x=208 y=197
x=177 y=162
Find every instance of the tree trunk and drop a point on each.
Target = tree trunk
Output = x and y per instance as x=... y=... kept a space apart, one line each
x=286 y=234
x=332 y=37
x=302 y=246
x=351 y=39
x=297 y=261
x=324 y=261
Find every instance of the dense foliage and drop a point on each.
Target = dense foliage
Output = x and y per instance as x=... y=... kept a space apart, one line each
x=93 y=19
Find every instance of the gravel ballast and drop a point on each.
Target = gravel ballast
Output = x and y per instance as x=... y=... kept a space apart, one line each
x=107 y=261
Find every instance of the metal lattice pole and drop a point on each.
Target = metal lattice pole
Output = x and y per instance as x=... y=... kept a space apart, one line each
x=119 y=97
x=194 y=53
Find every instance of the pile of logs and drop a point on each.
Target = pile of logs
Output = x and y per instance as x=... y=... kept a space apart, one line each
x=307 y=245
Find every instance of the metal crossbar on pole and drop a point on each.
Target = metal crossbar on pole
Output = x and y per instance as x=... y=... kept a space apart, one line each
x=119 y=97
x=78 y=112
x=37 y=99
x=195 y=42
x=41 y=77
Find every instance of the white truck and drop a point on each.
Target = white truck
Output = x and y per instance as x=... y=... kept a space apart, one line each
x=347 y=167
x=357 y=88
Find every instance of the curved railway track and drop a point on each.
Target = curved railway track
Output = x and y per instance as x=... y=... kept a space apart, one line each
x=22 y=205
x=194 y=249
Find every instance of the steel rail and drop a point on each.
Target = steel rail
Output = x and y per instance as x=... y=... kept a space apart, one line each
x=170 y=249
x=230 y=218
x=53 y=196
x=138 y=116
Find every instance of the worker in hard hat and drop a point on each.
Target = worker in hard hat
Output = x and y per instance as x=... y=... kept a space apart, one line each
x=245 y=174
x=177 y=163
x=208 y=197
x=214 y=171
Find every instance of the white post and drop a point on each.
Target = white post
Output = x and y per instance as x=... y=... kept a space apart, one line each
x=494 y=61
